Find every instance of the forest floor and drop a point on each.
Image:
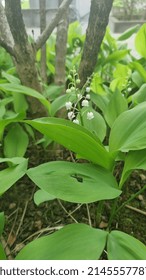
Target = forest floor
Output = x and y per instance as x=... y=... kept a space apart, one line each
x=25 y=221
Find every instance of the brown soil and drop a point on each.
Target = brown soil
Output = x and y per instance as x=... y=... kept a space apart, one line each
x=26 y=221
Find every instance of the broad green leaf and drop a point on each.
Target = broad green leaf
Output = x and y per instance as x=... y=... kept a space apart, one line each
x=129 y=130
x=10 y=78
x=100 y=101
x=121 y=246
x=42 y=196
x=15 y=142
x=73 y=242
x=2 y=222
x=140 y=41
x=122 y=71
x=59 y=102
x=128 y=33
x=75 y=138
x=116 y=56
x=95 y=83
x=20 y=103
x=140 y=69
x=137 y=79
x=75 y=182
x=133 y=160
x=11 y=175
x=116 y=106
x=15 y=88
x=97 y=125
x=5 y=122
x=140 y=95
x=2 y=253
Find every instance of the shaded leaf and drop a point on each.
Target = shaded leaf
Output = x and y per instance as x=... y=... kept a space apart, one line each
x=129 y=130
x=121 y=246
x=11 y=175
x=75 y=138
x=75 y=182
x=42 y=196
x=73 y=242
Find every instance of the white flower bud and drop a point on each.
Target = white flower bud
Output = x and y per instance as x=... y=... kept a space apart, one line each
x=88 y=96
x=88 y=89
x=78 y=81
x=85 y=103
x=90 y=116
x=71 y=115
x=72 y=88
x=76 y=121
x=68 y=90
x=79 y=96
x=68 y=105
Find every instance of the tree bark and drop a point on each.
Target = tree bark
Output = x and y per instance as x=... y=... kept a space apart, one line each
x=61 y=48
x=42 y=4
x=98 y=20
x=15 y=41
x=48 y=30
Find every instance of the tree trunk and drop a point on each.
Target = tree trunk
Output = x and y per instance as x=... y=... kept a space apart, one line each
x=98 y=20
x=61 y=48
x=24 y=55
x=42 y=4
x=23 y=52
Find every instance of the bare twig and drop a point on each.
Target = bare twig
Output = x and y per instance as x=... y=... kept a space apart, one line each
x=67 y=212
x=136 y=210
x=22 y=218
x=50 y=27
x=89 y=216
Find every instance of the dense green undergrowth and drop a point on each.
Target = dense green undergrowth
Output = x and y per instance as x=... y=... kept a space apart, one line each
x=105 y=124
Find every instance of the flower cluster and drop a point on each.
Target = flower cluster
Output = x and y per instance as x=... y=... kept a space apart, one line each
x=78 y=98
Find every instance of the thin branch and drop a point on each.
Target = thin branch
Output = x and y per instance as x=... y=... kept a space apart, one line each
x=136 y=210
x=6 y=39
x=50 y=27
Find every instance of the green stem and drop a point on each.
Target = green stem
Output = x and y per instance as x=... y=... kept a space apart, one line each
x=113 y=212
x=99 y=212
x=131 y=198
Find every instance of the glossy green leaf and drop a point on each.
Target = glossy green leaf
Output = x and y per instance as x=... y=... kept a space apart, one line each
x=140 y=41
x=13 y=119
x=100 y=101
x=11 y=175
x=73 y=242
x=97 y=125
x=129 y=130
x=116 y=106
x=128 y=33
x=75 y=182
x=10 y=78
x=116 y=56
x=75 y=138
x=42 y=196
x=121 y=246
x=15 y=88
x=59 y=103
x=15 y=142
x=2 y=253
x=140 y=69
x=140 y=95
x=133 y=160
x=2 y=222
